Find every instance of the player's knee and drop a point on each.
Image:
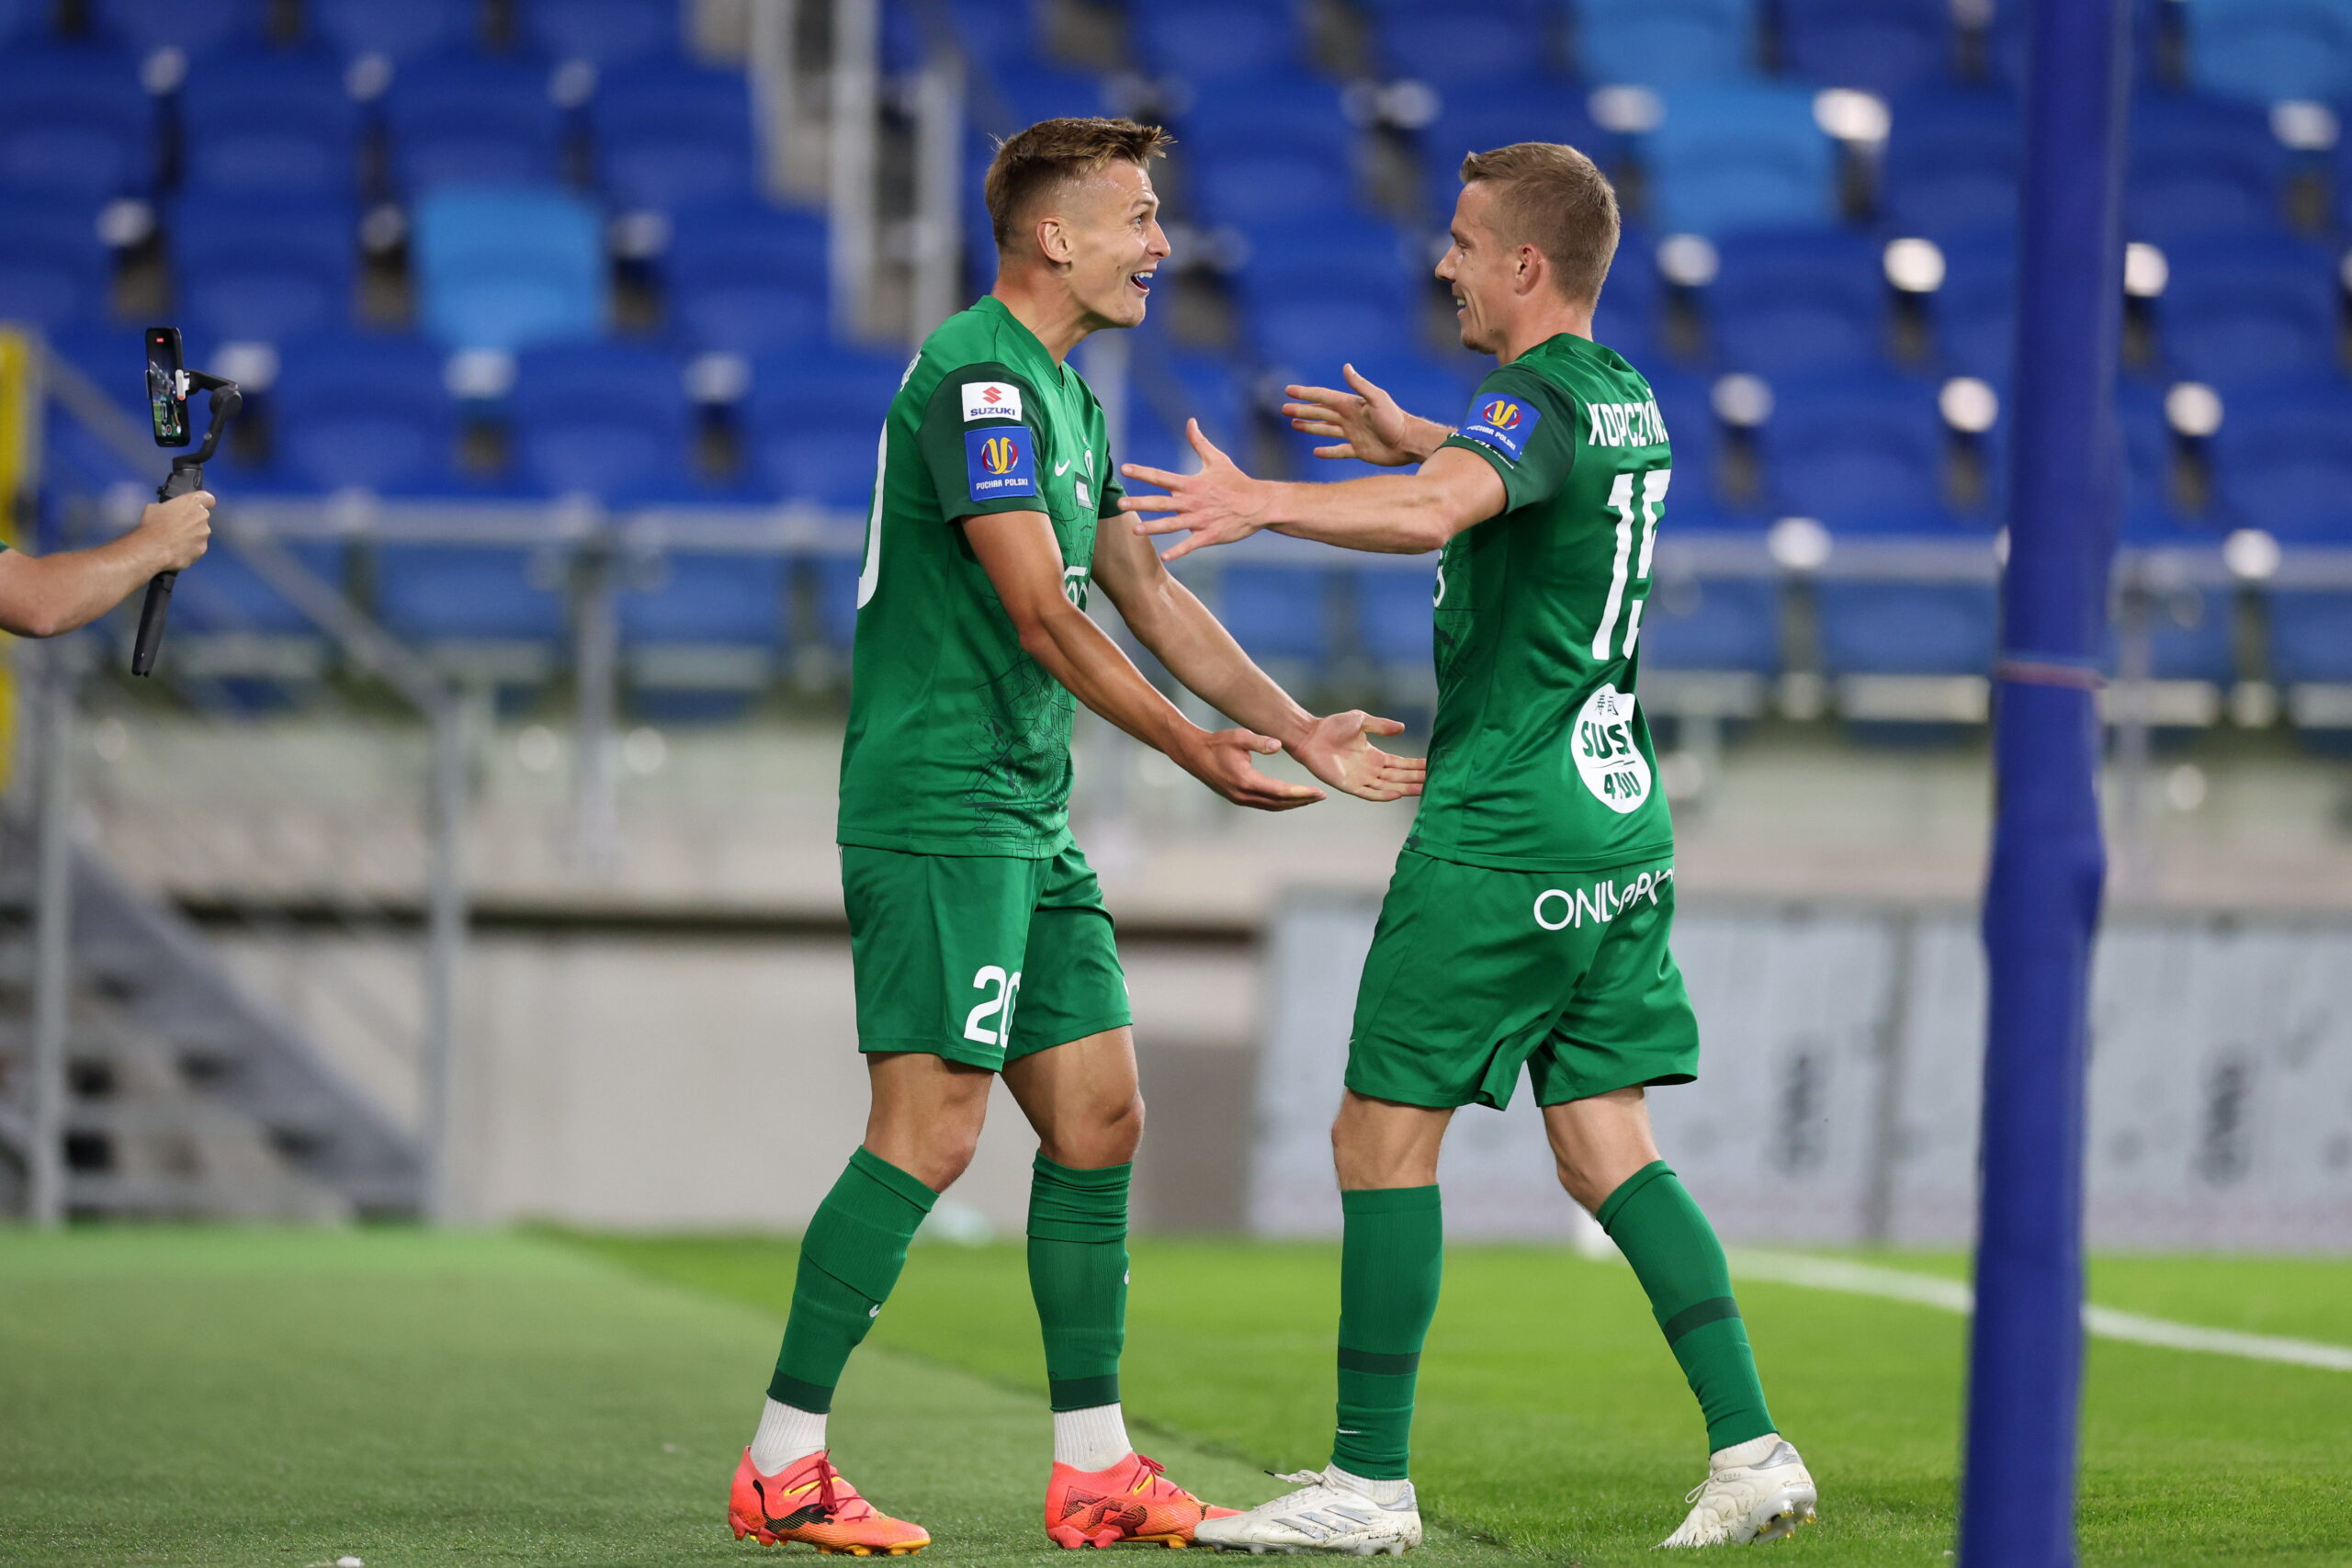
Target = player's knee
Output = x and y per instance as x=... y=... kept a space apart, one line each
x=1110 y=1136
x=1581 y=1183
x=943 y=1157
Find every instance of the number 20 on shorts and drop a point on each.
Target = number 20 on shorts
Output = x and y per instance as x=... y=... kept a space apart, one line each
x=990 y=1021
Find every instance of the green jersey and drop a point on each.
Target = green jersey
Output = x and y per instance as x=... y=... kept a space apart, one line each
x=1540 y=758
x=959 y=741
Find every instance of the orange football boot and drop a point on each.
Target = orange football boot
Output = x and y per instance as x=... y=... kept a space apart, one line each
x=1133 y=1500
x=811 y=1501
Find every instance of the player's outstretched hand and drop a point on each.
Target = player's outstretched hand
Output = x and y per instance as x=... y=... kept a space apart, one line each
x=1218 y=506
x=1339 y=751
x=1364 y=420
x=1226 y=762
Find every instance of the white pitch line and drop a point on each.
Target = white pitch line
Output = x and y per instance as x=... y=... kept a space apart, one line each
x=2106 y=1322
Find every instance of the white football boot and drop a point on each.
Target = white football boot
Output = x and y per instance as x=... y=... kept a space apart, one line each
x=1755 y=1491
x=1331 y=1511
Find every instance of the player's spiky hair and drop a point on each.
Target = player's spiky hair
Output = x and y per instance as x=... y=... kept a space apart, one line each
x=1555 y=199
x=1040 y=160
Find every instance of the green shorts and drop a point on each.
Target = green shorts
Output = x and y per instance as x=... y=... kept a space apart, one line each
x=1475 y=972
x=980 y=958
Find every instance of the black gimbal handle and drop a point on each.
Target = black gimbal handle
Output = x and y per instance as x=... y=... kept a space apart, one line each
x=186 y=476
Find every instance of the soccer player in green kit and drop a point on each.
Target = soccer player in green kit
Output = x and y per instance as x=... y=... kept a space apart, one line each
x=1526 y=925
x=978 y=933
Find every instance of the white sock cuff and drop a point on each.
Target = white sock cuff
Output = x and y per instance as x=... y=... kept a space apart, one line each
x=788 y=1434
x=1379 y=1491
x=1091 y=1439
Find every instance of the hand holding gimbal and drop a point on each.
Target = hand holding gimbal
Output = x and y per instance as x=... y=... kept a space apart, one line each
x=169 y=385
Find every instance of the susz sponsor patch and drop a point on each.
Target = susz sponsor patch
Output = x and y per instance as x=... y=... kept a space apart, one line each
x=1000 y=461
x=1501 y=423
x=990 y=399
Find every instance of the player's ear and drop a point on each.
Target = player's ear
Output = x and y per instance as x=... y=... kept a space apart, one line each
x=1053 y=239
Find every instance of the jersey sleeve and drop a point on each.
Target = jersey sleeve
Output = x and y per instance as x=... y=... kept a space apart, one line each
x=978 y=437
x=1526 y=428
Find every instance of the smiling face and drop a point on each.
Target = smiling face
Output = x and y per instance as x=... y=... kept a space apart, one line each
x=1105 y=233
x=1482 y=270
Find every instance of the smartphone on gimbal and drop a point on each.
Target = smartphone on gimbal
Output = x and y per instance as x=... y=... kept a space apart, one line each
x=167 y=387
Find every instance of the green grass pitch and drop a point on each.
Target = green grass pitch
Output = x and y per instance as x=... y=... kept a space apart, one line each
x=275 y=1397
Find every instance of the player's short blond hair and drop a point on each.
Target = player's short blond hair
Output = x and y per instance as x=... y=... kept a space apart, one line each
x=1555 y=198
x=1038 y=161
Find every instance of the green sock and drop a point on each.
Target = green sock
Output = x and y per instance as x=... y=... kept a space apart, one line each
x=1674 y=1252
x=1078 y=1272
x=850 y=1256
x=1391 y=1255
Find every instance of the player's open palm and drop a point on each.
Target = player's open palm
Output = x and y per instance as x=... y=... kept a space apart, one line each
x=1226 y=761
x=1339 y=751
x=1220 y=505
x=1363 y=422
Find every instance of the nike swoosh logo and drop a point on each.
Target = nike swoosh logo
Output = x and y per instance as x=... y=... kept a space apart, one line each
x=1061 y=467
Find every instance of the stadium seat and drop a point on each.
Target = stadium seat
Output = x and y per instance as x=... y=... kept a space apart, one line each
x=610 y=419
x=1904 y=629
x=366 y=412
x=1203 y=40
x=1738 y=157
x=507 y=267
x=1468 y=49
x=53 y=269
x=194 y=26
x=673 y=136
x=1953 y=163
x=2309 y=636
x=1886 y=46
x=822 y=456
x=1278 y=612
x=224 y=596
x=1713 y=624
x=1240 y=117
x=747 y=277
x=1975 y=310
x=732 y=600
x=2246 y=308
x=2192 y=635
x=1271 y=184
x=606 y=33
x=999 y=32
x=278 y=121
x=74 y=125
x=261 y=268
x=1032 y=92
x=474 y=594
x=467 y=118
x=1664 y=43
x=1308 y=336
x=2201 y=165
x=2264 y=50
x=1792 y=300
x=1393 y=620
x=1497 y=115
x=836 y=584
x=401 y=30
x=2281 y=462
x=1860 y=453
x=1288 y=258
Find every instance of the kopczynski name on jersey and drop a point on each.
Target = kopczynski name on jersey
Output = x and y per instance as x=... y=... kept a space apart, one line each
x=1624 y=424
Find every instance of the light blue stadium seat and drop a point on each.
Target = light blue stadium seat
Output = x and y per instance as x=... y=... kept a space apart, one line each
x=507 y=267
x=1665 y=43
x=670 y=136
x=2199 y=166
x=1953 y=162
x=1905 y=628
x=54 y=268
x=1739 y=157
x=277 y=121
x=747 y=276
x=262 y=268
x=1793 y=300
x=1861 y=452
x=194 y=26
x=468 y=118
x=1886 y=46
x=606 y=33
x=2266 y=51
x=400 y=30
x=606 y=418
x=1278 y=612
x=2244 y=309
x=2281 y=462
x=364 y=411
x=1713 y=624
x=74 y=125
x=1203 y=39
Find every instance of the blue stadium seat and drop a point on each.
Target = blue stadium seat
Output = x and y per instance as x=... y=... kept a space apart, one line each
x=194 y=26
x=1393 y=616
x=1032 y=92
x=2192 y=635
x=1278 y=612
x=1497 y=115
x=222 y=595
x=857 y=385
x=606 y=33
x=735 y=600
x=1665 y=43
x=1308 y=336
x=400 y=31
x=444 y=593
x=824 y=457
x=836 y=584
x=277 y=121
x=259 y=268
x=1886 y=46
x=1953 y=162
x=2147 y=447
x=609 y=419
x=2280 y=461
x=53 y=267
x=1857 y=452
x=364 y=411
x=1271 y=185
x=1792 y=300
x=2201 y=165
x=1350 y=251
x=1905 y=628
x=1739 y=157
x=747 y=277
x=506 y=267
x=673 y=136
x=1713 y=624
x=465 y=118
x=1975 y=310
x=1239 y=117
x=1467 y=47
x=2246 y=309
x=1203 y=39
x=2309 y=636
x=74 y=125
x=1000 y=32
x=1685 y=404
x=2264 y=50
x=2006 y=37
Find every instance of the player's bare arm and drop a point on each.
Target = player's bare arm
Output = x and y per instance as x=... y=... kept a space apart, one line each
x=1168 y=619
x=1023 y=562
x=1393 y=515
x=1362 y=421
x=44 y=595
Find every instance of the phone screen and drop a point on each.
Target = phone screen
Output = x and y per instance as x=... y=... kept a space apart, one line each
x=167 y=391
